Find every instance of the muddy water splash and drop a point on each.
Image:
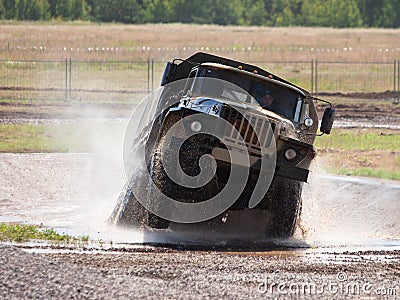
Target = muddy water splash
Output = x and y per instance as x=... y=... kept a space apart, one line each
x=340 y=210
x=75 y=193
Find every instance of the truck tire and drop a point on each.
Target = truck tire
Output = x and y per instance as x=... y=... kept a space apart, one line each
x=128 y=211
x=285 y=207
x=162 y=184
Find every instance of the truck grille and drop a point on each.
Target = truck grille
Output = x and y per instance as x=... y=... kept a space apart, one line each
x=254 y=142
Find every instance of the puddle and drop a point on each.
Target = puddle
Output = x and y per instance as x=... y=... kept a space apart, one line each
x=76 y=193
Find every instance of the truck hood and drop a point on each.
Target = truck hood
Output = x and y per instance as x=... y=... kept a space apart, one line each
x=206 y=103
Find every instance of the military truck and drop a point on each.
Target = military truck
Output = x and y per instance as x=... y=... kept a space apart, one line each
x=264 y=116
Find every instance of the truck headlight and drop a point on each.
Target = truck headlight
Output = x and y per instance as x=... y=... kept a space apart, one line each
x=196 y=126
x=290 y=154
x=308 y=122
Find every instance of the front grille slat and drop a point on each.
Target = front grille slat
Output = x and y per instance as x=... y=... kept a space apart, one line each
x=270 y=134
x=256 y=131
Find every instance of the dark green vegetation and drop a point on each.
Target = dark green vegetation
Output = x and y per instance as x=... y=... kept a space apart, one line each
x=23 y=233
x=326 y=13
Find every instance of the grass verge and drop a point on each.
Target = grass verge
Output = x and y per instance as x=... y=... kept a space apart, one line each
x=24 y=233
x=23 y=138
x=77 y=137
x=360 y=139
x=368 y=172
x=362 y=152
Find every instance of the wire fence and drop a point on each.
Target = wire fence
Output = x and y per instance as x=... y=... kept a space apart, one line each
x=108 y=81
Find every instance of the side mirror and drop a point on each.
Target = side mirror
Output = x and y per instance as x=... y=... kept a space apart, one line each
x=169 y=73
x=327 y=120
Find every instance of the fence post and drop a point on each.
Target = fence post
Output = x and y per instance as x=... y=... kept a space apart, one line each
x=66 y=79
x=394 y=76
x=316 y=77
x=152 y=75
x=312 y=76
x=398 y=80
x=70 y=79
x=148 y=76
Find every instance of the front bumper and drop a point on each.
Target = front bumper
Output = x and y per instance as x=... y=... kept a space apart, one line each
x=296 y=169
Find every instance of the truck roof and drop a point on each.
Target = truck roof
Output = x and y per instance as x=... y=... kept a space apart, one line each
x=270 y=78
x=185 y=66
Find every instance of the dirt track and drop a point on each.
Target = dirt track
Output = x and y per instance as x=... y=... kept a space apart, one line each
x=368 y=111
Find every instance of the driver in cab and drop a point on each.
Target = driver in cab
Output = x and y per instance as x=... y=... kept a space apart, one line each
x=264 y=96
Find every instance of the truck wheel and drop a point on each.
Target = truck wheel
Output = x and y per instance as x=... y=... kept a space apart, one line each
x=154 y=193
x=128 y=211
x=285 y=206
x=156 y=222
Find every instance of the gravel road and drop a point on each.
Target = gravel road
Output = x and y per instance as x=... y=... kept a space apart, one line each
x=169 y=274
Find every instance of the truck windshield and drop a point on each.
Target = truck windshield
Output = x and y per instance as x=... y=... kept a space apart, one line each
x=268 y=95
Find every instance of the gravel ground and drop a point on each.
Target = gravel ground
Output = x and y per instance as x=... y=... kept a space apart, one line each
x=35 y=276
x=171 y=274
